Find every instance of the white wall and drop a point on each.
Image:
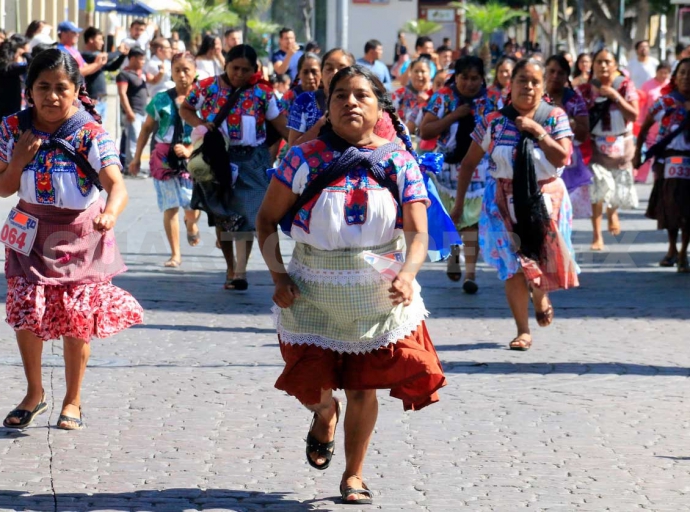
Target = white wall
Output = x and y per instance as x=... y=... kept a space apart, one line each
x=382 y=22
x=372 y=21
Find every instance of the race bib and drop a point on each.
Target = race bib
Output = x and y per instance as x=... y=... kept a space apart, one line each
x=677 y=167
x=477 y=176
x=19 y=231
x=611 y=146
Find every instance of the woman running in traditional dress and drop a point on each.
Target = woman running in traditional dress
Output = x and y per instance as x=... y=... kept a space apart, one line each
x=245 y=128
x=583 y=69
x=525 y=224
x=452 y=114
x=341 y=323
x=309 y=74
x=307 y=114
x=670 y=200
x=59 y=267
x=499 y=90
x=611 y=98
x=415 y=95
x=173 y=138
x=577 y=176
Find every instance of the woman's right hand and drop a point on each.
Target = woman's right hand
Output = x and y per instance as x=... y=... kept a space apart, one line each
x=463 y=110
x=637 y=160
x=134 y=167
x=209 y=126
x=456 y=212
x=286 y=292
x=25 y=148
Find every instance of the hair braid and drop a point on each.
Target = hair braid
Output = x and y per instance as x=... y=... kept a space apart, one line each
x=400 y=129
x=88 y=104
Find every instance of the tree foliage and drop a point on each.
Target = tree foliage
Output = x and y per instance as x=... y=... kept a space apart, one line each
x=421 y=27
x=202 y=17
x=490 y=17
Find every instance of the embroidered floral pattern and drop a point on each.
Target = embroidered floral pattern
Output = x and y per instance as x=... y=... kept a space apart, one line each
x=47 y=163
x=304 y=112
x=208 y=96
x=670 y=113
x=316 y=155
x=407 y=103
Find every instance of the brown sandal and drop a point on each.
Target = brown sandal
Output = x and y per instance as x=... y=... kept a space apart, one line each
x=521 y=343
x=545 y=318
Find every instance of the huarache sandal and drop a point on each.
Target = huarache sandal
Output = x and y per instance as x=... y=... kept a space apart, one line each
x=346 y=492
x=454 y=269
x=544 y=318
x=683 y=265
x=63 y=422
x=521 y=343
x=470 y=287
x=324 y=450
x=669 y=261
x=172 y=263
x=24 y=416
x=193 y=239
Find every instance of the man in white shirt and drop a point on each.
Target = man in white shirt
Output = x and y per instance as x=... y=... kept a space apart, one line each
x=140 y=34
x=642 y=67
x=158 y=69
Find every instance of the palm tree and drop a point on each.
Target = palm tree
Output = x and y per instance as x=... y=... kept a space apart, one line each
x=260 y=35
x=487 y=19
x=202 y=17
x=421 y=27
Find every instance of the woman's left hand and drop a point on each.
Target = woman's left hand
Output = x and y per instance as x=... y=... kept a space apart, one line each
x=401 y=291
x=104 y=222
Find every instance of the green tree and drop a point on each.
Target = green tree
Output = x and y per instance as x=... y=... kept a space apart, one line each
x=259 y=35
x=202 y=17
x=421 y=27
x=487 y=19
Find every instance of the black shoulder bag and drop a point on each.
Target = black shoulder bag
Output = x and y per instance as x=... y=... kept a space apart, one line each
x=530 y=210
x=177 y=165
x=57 y=141
x=213 y=149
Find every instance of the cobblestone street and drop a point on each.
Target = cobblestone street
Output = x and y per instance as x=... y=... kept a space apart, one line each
x=181 y=412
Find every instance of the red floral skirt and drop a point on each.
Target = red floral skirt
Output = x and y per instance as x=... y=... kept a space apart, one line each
x=79 y=311
x=410 y=368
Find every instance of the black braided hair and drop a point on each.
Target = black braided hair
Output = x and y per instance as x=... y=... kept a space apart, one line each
x=52 y=59
x=382 y=95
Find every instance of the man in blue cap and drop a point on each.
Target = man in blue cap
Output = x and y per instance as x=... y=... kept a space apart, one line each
x=68 y=37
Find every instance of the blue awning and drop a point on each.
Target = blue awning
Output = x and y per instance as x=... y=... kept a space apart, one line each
x=130 y=7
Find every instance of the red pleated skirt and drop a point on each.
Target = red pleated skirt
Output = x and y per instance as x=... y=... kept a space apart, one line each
x=410 y=368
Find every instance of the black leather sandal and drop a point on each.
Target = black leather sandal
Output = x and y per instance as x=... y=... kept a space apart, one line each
x=79 y=422
x=346 y=492
x=24 y=416
x=325 y=450
x=454 y=268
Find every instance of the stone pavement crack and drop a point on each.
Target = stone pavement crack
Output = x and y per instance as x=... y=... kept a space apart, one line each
x=49 y=438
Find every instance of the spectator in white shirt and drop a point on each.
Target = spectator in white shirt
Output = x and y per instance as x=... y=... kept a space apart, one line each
x=158 y=69
x=209 y=59
x=140 y=34
x=642 y=67
x=175 y=39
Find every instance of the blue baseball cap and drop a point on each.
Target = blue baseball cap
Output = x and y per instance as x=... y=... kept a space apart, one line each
x=68 y=26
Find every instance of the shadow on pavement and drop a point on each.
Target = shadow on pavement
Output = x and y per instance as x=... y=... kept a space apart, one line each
x=203 y=328
x=469 y=346
x=612 y=368
x=166 y=499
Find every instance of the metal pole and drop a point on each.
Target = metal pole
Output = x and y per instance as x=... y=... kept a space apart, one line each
x=621 y=20
x=342 y=22
x=580 y=26
x=554 y=25
x=662 y=37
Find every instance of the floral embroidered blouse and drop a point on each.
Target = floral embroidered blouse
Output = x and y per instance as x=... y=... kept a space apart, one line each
x=356 y=211
x=669 y=112
x=407 y=103
x=498 y=136
x=446 y=100
x=285 y=103
x=497 y=95
x=162 y=110
x=304 y=112
x=246 y=124
x=52 y=178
